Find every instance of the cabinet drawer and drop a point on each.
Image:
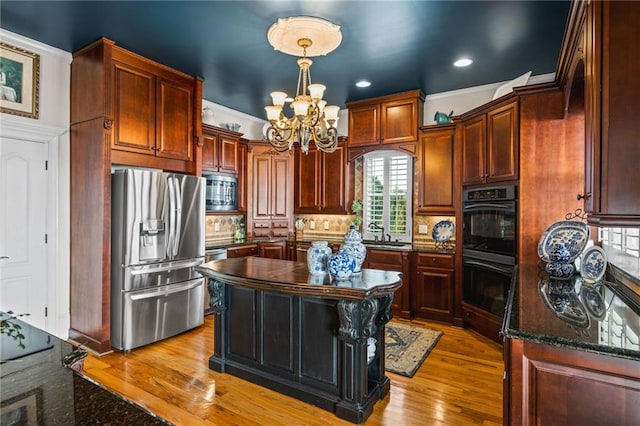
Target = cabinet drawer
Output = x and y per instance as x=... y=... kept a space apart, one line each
x=280 y=224
x=261 y=232
x=250 y=250
x=390 y=257
x=261 y=225
x=433 y=260
x=280 y=232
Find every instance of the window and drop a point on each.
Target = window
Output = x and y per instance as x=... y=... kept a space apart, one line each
x=387 y=195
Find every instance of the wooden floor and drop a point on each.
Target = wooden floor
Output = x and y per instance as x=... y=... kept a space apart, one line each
x=460 y=383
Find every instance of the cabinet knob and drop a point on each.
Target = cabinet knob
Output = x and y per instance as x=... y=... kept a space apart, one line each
x=583 y=197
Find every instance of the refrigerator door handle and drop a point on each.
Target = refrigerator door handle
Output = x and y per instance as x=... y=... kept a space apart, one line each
x=167 y=266
x=170 y=289
x=178 y=208
x=172 y=217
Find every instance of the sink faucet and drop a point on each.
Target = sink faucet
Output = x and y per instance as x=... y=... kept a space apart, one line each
x=374 y=226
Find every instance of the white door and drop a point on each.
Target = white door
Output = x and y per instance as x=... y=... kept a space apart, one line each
x=23 y=216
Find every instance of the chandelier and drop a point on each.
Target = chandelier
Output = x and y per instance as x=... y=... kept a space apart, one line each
x=312 y=119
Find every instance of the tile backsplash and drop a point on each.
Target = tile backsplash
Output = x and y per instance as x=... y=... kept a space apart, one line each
x=222 y=227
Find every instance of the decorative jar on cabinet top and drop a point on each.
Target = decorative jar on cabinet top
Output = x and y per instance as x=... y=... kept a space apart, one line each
x=317 y=257
x=341 y=265
x=353 y=245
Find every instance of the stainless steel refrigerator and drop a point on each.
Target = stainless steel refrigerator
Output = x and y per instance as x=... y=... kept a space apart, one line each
x=157 y=237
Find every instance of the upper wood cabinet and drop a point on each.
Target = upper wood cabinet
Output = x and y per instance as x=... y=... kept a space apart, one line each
x=385 y=120
x=242 y=176
x=270 y=180
x=322 y=182
x=219 y=150
x=490 y=145
x=436 y=170
x=612 y=86
x=147 y=108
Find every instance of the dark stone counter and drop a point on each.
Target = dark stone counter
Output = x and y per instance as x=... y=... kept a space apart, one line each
x=595 y=317
x=42 y=383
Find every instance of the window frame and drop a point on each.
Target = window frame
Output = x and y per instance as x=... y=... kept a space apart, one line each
x=371 y=234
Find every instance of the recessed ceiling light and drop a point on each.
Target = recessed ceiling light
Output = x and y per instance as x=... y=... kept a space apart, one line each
x=363 y=83
x=463 y=62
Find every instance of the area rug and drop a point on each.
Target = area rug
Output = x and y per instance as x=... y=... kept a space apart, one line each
x=407 y=346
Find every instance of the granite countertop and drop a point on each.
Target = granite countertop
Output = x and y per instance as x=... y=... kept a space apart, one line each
x=429 y=247
x=596 y=317
x=43 y=383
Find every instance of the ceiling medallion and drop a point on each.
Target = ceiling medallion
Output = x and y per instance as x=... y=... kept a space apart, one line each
x=312 y=119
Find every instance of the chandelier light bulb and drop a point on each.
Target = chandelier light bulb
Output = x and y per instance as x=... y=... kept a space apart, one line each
x=316 y=91
x=278 y=98
x=331 y=112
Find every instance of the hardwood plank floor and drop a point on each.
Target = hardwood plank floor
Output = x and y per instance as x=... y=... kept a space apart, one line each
x=460 y=383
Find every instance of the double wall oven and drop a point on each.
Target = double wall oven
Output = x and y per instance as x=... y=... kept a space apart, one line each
x=489 y=255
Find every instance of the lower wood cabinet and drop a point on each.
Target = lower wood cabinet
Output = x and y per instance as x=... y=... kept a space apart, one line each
x=393 y=260
x=272 y=249
x=432 y=291
x=548 y=385
x=244 y=250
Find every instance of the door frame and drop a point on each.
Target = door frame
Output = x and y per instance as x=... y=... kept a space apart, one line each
x=57 y=214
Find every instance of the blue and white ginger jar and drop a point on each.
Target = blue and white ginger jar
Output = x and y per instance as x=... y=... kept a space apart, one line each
x=317 y=257
x=341 y=265
x=353 y=245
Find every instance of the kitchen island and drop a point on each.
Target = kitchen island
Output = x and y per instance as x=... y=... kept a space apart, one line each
x=572 y=351
x=312 y=338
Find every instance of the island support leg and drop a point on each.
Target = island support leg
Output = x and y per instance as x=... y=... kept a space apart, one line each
x=376 y=367
x=217 y=301
x=357 y=324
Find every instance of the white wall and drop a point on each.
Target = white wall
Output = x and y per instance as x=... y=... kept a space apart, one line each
x=52 y=128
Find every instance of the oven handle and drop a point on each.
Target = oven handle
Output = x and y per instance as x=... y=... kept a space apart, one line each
x=505 y=271
x=489 y=205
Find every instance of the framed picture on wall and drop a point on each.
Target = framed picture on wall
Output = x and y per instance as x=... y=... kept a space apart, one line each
x=24 y=409
x=19 y=81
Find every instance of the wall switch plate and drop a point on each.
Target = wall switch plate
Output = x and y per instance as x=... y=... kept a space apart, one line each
x=326 y=225
x=312 y=224
x=422 y=229
x=216 y=227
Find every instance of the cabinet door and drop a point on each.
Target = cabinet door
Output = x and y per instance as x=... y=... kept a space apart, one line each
x=134 y=109
x=433 y=294
x=210 y=152
x=473 y=150
x=392 y=261
x=241 y=251
x=228 y=154
x=399 y=121
x=261 y=185
x=502 y=143
x=364 y=125
x=436 y=176
x=174 y=120
x=281 y=187
x=308 y=181
x=272 y=250
x=242 y=177
x=334 y=181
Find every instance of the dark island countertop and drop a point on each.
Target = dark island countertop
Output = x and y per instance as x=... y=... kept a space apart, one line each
x=289 y=277
x=597 y=317
x=41 y=382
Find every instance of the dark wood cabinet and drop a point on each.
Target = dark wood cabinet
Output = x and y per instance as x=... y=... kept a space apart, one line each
x=272 y=249
x=385 y=120
x=152 y=111
x=270 y=180
x=437 y=177
x=432 y=292
x=612 y=128
x=219 y=150
x=322 y=181
x=242 y=176
x=243 y=250
x=393 y=260
x=553 y=385
x=125 y=110
x=490 y=145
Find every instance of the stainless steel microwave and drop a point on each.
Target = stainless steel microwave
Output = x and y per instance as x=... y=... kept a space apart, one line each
x=221 y=193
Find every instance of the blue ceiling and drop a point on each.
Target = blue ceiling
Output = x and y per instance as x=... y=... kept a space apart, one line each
x=397 y=45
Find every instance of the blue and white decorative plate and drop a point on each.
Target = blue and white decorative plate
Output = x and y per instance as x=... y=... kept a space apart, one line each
x=593 y=301
x=573 y=235
x=593 y=264
x=443 y=231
